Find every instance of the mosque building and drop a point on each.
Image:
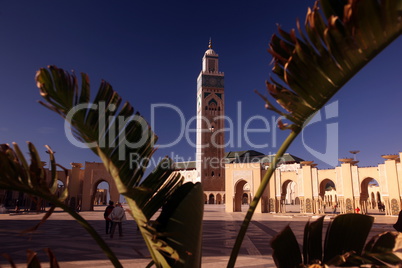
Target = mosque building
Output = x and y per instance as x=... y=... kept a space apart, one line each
x=295 y=181
x=232 y=178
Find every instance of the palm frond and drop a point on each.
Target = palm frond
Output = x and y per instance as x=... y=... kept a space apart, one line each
x=354 y=228
x=286 y=250
x=384 y=249
x=119 y=135
x=344 y=242
x=331 y=48
x=17 y=175
x=32 y=179
x=182 y=221
x=312 y=241
x=313 y=65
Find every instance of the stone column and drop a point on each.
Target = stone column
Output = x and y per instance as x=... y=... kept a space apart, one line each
x=391 y=175
x=74 y=186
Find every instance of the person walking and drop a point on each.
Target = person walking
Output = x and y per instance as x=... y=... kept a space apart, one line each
x=335 y=206
x=106 y=214
x=117 y=216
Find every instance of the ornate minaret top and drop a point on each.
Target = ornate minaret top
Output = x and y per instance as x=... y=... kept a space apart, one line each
x=210 y=61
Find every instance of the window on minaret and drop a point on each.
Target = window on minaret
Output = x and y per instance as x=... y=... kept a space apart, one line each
x=211 y=65
x=212 y=106
x=212 y=174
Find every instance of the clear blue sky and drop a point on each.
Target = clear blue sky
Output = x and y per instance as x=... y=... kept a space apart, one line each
x=151 y=51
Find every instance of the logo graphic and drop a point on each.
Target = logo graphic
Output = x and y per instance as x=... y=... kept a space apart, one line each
x=330 y=156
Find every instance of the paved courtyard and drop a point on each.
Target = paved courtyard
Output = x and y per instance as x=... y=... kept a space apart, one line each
x=73 y=247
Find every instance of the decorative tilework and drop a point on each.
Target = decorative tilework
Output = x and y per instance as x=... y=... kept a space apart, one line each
x=309 y=208
x=213 y=81
x=394 y=207
x=349 y=207
x=271 y=205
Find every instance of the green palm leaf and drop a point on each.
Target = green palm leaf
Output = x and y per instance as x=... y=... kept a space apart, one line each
x=384 y=248
x=118 y=135
x=286 y=250
x=328 y=52
x=312 y=241
x=334 y=44
x=343 y=245
x=347 y=233
x=17 y=175
x=181 y=221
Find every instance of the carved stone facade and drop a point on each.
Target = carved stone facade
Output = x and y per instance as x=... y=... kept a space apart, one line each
x=349 y=186
x=82 y=188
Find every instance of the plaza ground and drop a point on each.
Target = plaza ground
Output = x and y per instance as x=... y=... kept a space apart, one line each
x=74 y=247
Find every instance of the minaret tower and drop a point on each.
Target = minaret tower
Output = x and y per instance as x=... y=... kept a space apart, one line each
x=210 y=152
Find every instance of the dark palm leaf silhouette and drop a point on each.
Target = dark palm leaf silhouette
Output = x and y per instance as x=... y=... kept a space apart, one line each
x=313 y=64
x=118 y=135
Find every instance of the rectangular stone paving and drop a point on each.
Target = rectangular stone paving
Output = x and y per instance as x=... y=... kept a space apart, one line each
x=74 y=247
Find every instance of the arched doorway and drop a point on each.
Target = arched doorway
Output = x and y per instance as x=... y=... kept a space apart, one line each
x=219 y=199
x=329 y=197
x=211 y=199
x=290 y=193
x=105 y=199
x=370 y=196
x=238 y=196
x=288 y=197
x=101 y=194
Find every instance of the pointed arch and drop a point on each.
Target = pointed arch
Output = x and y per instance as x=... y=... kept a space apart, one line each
x=288 y=194
x=239 y=190
x=219 y=199
x=367 y=186
x=211 y=199
x=99 y=196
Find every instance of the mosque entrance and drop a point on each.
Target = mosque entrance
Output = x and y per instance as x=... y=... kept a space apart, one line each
x=101 y=194
x=328 y=197
x=211 y=199
x=239 y=195
x=288 y=197
x=370 y=197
